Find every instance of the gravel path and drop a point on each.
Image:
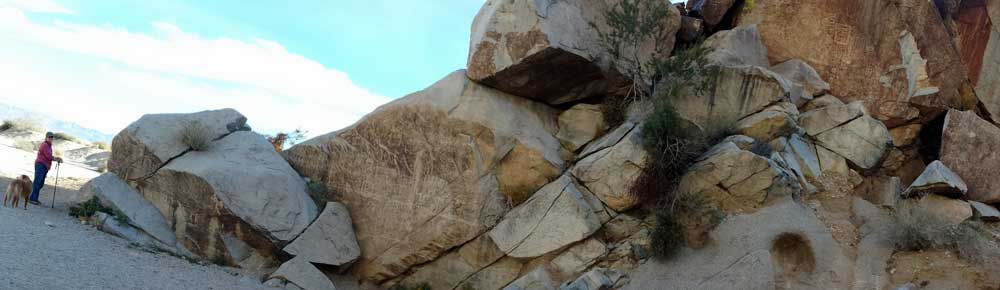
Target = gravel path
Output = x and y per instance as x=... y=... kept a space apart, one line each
x=68 y=255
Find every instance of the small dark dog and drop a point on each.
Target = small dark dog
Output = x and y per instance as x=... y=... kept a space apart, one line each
x=18 y=189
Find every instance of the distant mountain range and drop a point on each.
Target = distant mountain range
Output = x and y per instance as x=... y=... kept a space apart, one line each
x=55 y=124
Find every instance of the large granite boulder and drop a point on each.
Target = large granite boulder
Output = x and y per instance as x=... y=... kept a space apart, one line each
x=970 y=146
x=897 y=58
x=711 y=10
x=738 y=91
x=330 y=240
x=736 y=47
x=433 y=170
x=458 y=267
x=236 y=200
x=152 y=141
x=806 y=82
x=549 y=51
x=559 y=214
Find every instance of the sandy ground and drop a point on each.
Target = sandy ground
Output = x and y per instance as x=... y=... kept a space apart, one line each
x=46 y=249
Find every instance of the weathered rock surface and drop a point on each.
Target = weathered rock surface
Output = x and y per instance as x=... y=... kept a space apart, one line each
x=884 y=191
x=984 y=211
x=737 y=93
x=558 y=215
x=938 y=179
x=766 y=125
x=596 y=279
x=238 y=194
x=735 y=180
x=711 y=10
x=737 y=47
x=537 y=279
x=115 y=193
x=970 y=147
x=977 y=37
x=754 y=259
x=691 y=29
x=579 y=125
x=548 y=51
x=862 y=50
x=577 y=258
x=609 y=173
x=831 y=116
x=304 y=275
x=458 y=267
x=153 y=140
x=457 y=154
x=806 y=82
x=954 y=211
x=905 y=135
x=864 y=142
x=329 y=240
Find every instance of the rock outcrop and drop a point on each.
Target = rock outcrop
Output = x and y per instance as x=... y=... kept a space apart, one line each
x=736 y=180
x=609 y=173
x=549 y=51
x=236 y=201
x=895 y=58
x=969 y=147
x=433 y=170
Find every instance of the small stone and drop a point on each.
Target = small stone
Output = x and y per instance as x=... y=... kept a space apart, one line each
x=938 y=179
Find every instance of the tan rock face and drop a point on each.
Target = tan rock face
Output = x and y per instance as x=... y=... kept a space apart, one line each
x=734 y=179
x=766 y=126
x=456 y=267
x=805 y=80
x=862 y=49
x=548 y=51
x=738 y=92
x=425 y=173
x=905 y=135
x=609 y=173
x=579 y=125
x=979 y=43
x=865 y=142
x=970 y=147
x=736 y=47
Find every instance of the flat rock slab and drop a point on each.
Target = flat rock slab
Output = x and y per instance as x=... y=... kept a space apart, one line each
x=330 y=240
x=938 y=179
x=303 y=274
x=864 y=142
x=985 y=212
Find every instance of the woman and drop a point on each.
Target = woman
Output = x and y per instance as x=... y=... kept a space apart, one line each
x=42 y=165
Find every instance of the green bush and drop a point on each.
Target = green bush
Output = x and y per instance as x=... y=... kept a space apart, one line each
x=667 y=236
x=89 y=208
x=421 y=286
x=21 y=124
x=196 y=136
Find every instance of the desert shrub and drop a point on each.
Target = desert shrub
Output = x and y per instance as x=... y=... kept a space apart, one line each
x=21 y=124
x=319 y=193
x=667 y=236
x=762 y=149
x=631 y=23
x=421 y=286
x=67 y=137
x=281 y=139
x=26 y=145
x=196 y=136
x=614 y=109
x=921 y=229
x=120 y=217
x=88 y=208
x=102 y=145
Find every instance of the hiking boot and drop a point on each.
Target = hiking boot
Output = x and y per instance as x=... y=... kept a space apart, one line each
x=35 y=202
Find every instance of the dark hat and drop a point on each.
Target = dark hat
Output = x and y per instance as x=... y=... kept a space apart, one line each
x=49 y=135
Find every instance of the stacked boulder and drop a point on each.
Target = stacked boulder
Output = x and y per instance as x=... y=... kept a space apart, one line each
x=236 y=202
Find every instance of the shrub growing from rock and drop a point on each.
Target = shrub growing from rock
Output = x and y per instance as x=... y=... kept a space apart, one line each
x=67 y=137
x=667 y=236
x=920 y=229
x=196 y=136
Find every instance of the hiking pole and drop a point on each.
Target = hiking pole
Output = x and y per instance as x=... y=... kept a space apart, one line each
x=55 y=186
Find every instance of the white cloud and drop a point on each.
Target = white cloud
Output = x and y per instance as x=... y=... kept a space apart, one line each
x=36 y=6
x=106 y=77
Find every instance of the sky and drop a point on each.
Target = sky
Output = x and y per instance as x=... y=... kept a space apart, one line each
x=318 y=65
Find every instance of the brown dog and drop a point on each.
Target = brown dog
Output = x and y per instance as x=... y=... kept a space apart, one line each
x=18 y=189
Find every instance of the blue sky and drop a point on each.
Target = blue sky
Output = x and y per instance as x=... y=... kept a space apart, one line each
x=317 y=65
